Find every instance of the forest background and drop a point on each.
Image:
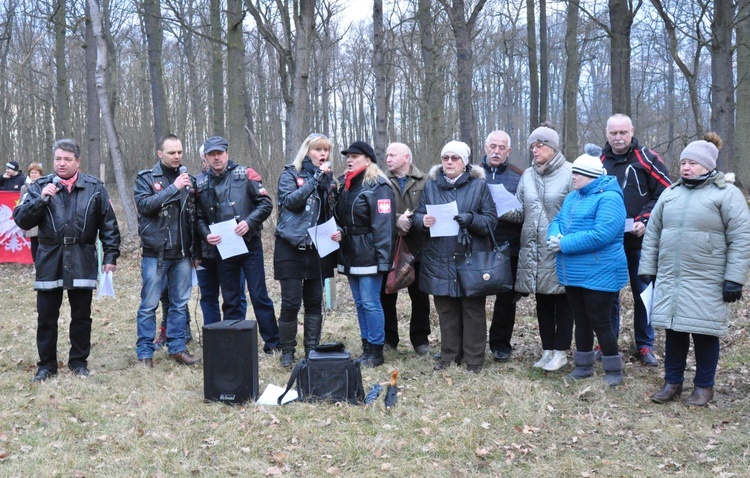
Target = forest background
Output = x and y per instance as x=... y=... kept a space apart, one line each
x=117 y=75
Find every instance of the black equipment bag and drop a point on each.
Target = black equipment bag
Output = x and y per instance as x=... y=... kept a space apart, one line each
x=327 y=374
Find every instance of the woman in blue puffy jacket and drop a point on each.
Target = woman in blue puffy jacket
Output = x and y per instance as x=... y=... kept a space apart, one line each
x=587 y=235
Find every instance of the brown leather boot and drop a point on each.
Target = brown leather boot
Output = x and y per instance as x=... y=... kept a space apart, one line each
x=185 y=358
x=667 y=393
x=700 y=397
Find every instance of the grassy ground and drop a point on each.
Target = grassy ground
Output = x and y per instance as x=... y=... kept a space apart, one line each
x=510 y=420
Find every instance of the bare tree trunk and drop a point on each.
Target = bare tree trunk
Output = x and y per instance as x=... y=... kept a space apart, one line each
x=379 y=69
x=433 y=90
x=62 y=96
x=722 y=85
x=543 y=63
x=742 y=141
x=236 y=134
x=570 y=95
x=152 y=23
x=621 y=16
x=217 y=70
x=93 y=123
x=533 y=66
x=299 y=127
x=463 y=31
x=5 y=104
x=123 y=185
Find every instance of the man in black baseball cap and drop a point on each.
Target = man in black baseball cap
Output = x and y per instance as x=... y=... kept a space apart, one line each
x=13 y=179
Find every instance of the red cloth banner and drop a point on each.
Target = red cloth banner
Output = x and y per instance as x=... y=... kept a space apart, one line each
x=13 y=246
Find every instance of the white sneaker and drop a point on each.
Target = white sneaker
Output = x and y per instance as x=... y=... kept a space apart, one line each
x=546 y=357
x=559 y=358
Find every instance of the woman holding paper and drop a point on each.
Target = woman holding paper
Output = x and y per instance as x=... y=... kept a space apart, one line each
x=455 y=183
x=541 y=192
x=366 y=216
x=696 y=252
x=306 y=196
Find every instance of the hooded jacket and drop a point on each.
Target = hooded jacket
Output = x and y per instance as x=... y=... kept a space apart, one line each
x=697 y=238
x=438 y=275
x=643 y=176
x=365 y=213
x=69 y=225
x=541 y=192
x=592 y=222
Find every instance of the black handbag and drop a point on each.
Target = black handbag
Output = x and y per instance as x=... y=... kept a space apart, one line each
x=483 y=273
x=327 y=374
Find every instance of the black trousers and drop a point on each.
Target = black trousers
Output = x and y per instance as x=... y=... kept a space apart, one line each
x=419 y=325
x=591 y=311
x=504 y=316
x=48 y=306
x=555 y=321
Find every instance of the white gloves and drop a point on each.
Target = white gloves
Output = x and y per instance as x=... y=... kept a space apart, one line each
x=554 y=243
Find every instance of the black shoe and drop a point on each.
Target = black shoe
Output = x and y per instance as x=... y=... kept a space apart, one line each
x=287 y=359
x=500 y=356
x=81 y=371
x=42 y=375
x=647 y=357
x=438 y=356
x=441 y=366
x=423 y=349
x=474 y=368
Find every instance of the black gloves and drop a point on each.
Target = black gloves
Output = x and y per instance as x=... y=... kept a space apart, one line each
x=465 y=219
x=647 y=279
x=732 y=291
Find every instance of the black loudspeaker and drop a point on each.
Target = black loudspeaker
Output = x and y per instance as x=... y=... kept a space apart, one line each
x=230 y=361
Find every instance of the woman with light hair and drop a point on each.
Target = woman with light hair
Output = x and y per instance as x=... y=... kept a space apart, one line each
x=305 y=198
x=696 y=253
x=366 y=216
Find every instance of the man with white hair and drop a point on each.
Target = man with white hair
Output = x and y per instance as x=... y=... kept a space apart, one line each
x=407 y=182
x=499 y=171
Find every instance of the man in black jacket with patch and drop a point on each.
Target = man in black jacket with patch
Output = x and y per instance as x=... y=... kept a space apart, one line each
x=72 y=210
x=233 y=192
x=499 y=171
x=643 y=177
x=165 y=199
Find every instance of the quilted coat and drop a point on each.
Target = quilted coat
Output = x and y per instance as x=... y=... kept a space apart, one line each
x=592 y=223
x=541 y=192
x=697 y=238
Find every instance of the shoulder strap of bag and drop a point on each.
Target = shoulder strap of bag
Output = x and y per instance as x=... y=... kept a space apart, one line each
x=290 y=383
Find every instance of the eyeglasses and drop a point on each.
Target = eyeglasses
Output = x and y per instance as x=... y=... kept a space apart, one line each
x=447 y=158
x=537 y=145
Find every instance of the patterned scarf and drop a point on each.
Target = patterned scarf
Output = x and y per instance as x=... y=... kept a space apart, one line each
x=70 y=182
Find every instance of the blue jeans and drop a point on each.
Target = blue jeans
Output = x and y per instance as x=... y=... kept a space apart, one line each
x=208 y=281
x=706 y=358
x=366 y=294
x=230 y=276
x=178 y=277
x=644 y=332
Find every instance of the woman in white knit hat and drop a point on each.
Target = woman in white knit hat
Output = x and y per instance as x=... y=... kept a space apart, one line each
x=696 y=252
x=541 y=192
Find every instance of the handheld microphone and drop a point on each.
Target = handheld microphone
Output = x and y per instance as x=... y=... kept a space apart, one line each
x=328 y=163
x=58 y=185
x=183 y=170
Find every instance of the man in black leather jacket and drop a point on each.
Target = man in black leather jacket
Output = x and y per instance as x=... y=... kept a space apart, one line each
x=233 y=192
x=165 y=199
x=72 y=210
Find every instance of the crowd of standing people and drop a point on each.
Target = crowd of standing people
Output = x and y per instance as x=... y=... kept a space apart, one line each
x=577 y=234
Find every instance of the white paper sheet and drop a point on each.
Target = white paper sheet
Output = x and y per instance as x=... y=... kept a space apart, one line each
x=231 y=244
x=629 y=224
x=647 y=296
x=106 y=286
x=444 y=223
x=504 y=200
x=272 y=393
x=321 y=237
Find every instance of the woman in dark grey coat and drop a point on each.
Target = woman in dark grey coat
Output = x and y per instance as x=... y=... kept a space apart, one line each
x=463 y=322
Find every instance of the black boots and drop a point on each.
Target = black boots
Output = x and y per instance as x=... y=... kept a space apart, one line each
x=287 y=340
x=374 y=355
x=313 y=325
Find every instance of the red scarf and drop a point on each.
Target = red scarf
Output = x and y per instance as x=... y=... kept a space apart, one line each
x=70 y=182
x=351 y=175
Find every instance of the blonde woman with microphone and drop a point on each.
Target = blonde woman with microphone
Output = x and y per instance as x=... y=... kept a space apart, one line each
x=306 y=195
